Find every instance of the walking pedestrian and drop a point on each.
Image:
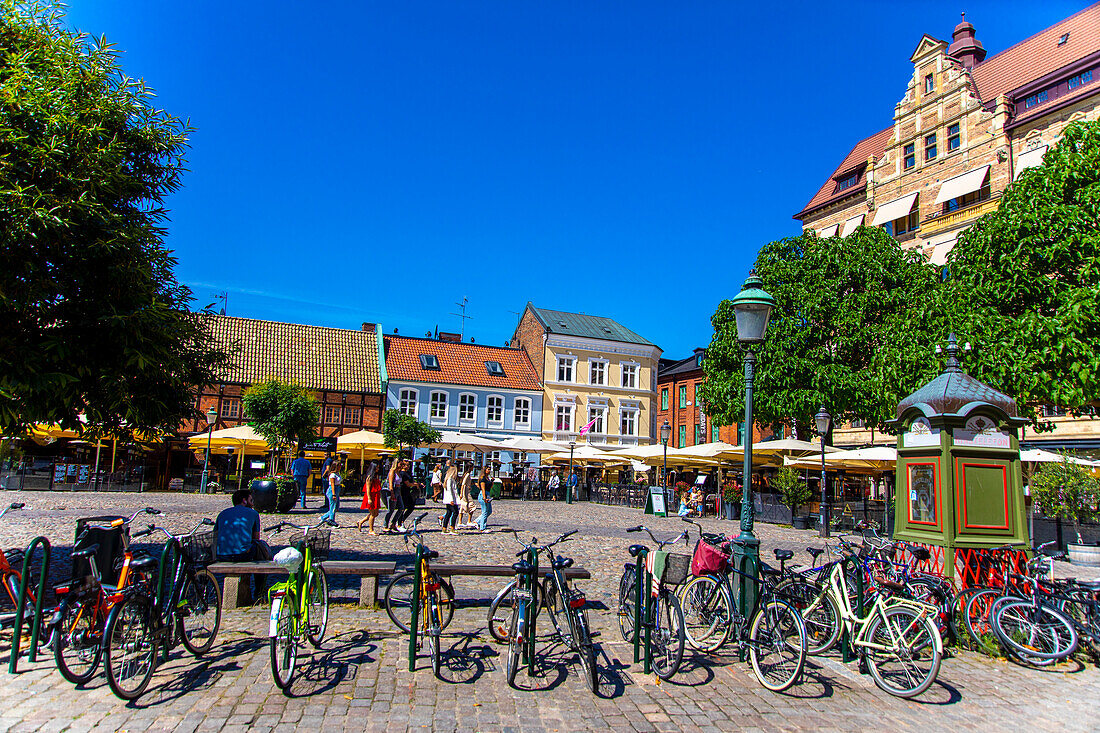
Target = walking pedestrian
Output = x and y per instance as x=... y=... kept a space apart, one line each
x=372 y=492
x=332 y=489
x=466 y=506
x=301 y=468
x=437 y=482
x=484 y=486
x=450 y=498
x=410 y=492
x=553 y=485
x=324 y=472
x=394 y=507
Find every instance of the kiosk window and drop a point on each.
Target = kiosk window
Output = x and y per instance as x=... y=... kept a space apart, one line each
x=922 y=493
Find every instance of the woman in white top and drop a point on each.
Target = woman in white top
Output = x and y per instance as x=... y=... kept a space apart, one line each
x=450 y=498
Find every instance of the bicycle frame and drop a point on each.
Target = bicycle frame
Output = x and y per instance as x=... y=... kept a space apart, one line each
x=856 y=626
x=293 y=589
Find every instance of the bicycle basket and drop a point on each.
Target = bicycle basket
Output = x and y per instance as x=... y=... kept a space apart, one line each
x=199 y=547
x=318 y=542
x=708 y=560
x=677 y=568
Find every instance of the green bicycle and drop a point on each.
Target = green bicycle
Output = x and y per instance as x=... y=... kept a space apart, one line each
x=299 y=605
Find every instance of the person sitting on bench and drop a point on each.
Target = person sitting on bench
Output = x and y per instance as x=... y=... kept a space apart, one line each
x=238 y=531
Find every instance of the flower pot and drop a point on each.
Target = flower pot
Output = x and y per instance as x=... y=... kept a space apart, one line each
x=800 y=522
x=264 y=495
x=1088 y=555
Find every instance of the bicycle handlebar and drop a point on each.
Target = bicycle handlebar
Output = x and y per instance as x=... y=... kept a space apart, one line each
x=534 y=544
x=276 y=528
x=660 y=545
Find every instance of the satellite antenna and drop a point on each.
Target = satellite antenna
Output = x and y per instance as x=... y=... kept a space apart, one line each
x=462 y=315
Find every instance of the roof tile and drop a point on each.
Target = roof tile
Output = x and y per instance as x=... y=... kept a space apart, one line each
x=864 y=149
x=459 y=363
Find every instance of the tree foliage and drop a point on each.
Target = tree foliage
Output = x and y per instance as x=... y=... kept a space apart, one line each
x=94 y=321
x=1024 y=281
x=792 y=490
x=284 y=414
x=1066 y=490
x=851 y=330
x=400 y=430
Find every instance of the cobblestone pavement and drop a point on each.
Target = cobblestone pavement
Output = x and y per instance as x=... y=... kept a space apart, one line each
x=359 y=679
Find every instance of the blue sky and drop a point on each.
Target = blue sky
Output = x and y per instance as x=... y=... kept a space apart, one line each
x=380 y=161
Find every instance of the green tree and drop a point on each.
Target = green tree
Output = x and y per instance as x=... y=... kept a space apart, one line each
x=284 y=414
x=400 y=430
x=1066 y=490
x=851 y=330
x=792 y=490
x=1024 y=282
x=94 y=321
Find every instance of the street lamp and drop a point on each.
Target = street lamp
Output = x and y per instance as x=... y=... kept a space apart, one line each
x=666 y=433
x=753 y=311
x=568 y=487
x=211 y=416
x=821 y=422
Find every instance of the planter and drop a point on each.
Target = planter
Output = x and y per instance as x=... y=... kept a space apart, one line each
x=1088 y=555
x=800 y=522
x=266 y=499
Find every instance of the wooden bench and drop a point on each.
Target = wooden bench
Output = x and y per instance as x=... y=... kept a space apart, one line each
x=500 y=571
x=236 y=590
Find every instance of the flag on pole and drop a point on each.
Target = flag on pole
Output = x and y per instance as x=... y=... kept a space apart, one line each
x=589 y=426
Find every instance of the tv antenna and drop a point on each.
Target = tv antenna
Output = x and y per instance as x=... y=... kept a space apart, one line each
x=463 y=316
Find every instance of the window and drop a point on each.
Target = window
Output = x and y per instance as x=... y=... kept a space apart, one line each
x=596 y=414
x=628 y=420
x=905 y=224
x=664 y=398
x=683 y=437
x=929 y=84
x=910 y=152
x=740 y=433
x=699 y=360
x=1062 y=40
x=930 y=147
x=563 y=418
x=954 y=139
x=683 y=395
x=1083 y=78
x=231 y=408
x=467 y=407
x=352 y=415
x=493 y=457
x=429 y=361
x=523 y=412
x=630 y=376
x=333 y=413
x=596 y=372
x=982 y=194
x=1035 y=99
x=699 y=431
x=494 y=410
x=438 y=411
x=565 y=368
x=494 y=368
x=406 y=403
x=714 y=434
x=847 y=182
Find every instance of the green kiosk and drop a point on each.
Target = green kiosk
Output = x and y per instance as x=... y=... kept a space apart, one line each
x=959 y=489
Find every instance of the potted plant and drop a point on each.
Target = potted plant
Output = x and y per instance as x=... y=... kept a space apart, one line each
x=1068 y=491
x=793 y=492
x=731 y=499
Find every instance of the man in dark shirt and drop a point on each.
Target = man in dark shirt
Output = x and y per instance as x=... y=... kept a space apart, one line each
x=301 y=469
x=238 y=531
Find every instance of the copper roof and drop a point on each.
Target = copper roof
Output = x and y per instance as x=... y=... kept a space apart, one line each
x=827 y=194
x=315 y=357
x=582 y=324
x=459 y=363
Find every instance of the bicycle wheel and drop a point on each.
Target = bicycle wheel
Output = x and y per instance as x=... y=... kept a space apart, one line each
x=910 y=658
x=77 y=642
x=1080 y=607
x=820 y=613
x=667 y=639
x=499 y=618
x=516 y=636
x=777 y=645
x=316 y=606
x=200 y=612
x=1033 y=631
x=130 y=651
x=284 y=643
x=976 y=619
x=398 y=599
x=707 y=611
x=433 y=631
x=627 y=597
x=585 y=650
x=555 y=608
x=933 y=592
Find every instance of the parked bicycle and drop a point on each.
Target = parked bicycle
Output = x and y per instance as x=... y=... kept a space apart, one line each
x=147 y=619
x=423 y=591
x=299 y=604
x=11 y=576
x=398 y=596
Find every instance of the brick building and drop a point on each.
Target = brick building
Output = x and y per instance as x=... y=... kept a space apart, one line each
x=966 y=126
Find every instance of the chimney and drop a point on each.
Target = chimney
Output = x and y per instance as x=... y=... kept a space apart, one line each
x=369 y=326
x=964 y=46
x=453 y=338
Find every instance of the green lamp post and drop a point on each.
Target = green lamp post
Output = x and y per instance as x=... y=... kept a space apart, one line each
x=753 y=311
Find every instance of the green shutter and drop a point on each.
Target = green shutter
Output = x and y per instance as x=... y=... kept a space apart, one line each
x=683 y=436
x=664 y=398
x=714 y=434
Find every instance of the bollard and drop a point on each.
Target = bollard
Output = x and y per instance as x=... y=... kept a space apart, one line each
x=639 y=597
x=414 y=622
x=21 y=602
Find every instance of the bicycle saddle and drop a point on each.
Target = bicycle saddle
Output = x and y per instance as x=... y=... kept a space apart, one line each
x=782 y=555
x=86 y=552
x=892 y=585
x=636 y=550
x=920 y=553
x=523 y=568
x=431 y=554
x=767 y=569
x=562 y=563
x=814 y=552
x=139 y=563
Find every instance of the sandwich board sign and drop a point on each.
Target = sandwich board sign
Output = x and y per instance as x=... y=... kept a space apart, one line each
x=655 y=502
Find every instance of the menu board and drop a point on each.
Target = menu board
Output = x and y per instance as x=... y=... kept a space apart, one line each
x=84 y=474
x=59 y=473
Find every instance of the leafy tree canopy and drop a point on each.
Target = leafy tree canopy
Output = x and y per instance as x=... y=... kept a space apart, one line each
x=282 y=413
x=850 y=331
x=1024 y=281
x=400 y=430
x=94 y=321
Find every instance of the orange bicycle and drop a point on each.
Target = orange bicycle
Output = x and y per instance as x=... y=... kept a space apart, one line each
x=11 y=576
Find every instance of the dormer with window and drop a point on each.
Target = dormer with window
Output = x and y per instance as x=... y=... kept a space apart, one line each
x=429 y=361
x=849 y=179
x=494 y=369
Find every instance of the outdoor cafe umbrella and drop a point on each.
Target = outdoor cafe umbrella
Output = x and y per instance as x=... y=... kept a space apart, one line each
x=365 y=441
x=588 y=454
x=454 y=440
x=241 y=437
x=875 y=459
x=523 y=444
x=1038 y=455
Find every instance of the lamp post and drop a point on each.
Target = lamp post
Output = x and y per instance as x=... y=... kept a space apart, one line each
x=211 y=416
x=753 y=310
x=569 y=478
x=666 y=433
x=821 y=423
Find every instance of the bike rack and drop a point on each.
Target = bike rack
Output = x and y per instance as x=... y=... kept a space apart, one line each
x=642 y=583
x=532 y=610
x=414 y=623
x=21 y=602
x=846 y=643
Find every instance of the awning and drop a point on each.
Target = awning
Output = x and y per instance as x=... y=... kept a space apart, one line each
x=895 y=209
x=1030 y=159
x=958 y=186
x=939 y=254
x=829 y=231
x=851 y=224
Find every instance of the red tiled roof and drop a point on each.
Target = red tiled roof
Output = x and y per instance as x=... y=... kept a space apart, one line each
x=1039 y=55
x=874 y=145
x=459 y=363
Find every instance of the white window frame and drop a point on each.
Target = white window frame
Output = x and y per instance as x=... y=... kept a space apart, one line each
x=632 y=414
x=603 y=365
x=599 y=413
x=524 y=404
x=408 y=401
x=463 y=402
x=432 y=404
x=570 y=408
x=569 y=362
x=351 y=409
x=231 y=408
x=634 y=370
x=489 y=421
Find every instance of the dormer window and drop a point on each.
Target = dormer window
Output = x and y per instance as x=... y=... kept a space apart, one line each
x=1035 y=99
x=429 y=361
x=1081 y=79
x=848 y=181
x=494 y=368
